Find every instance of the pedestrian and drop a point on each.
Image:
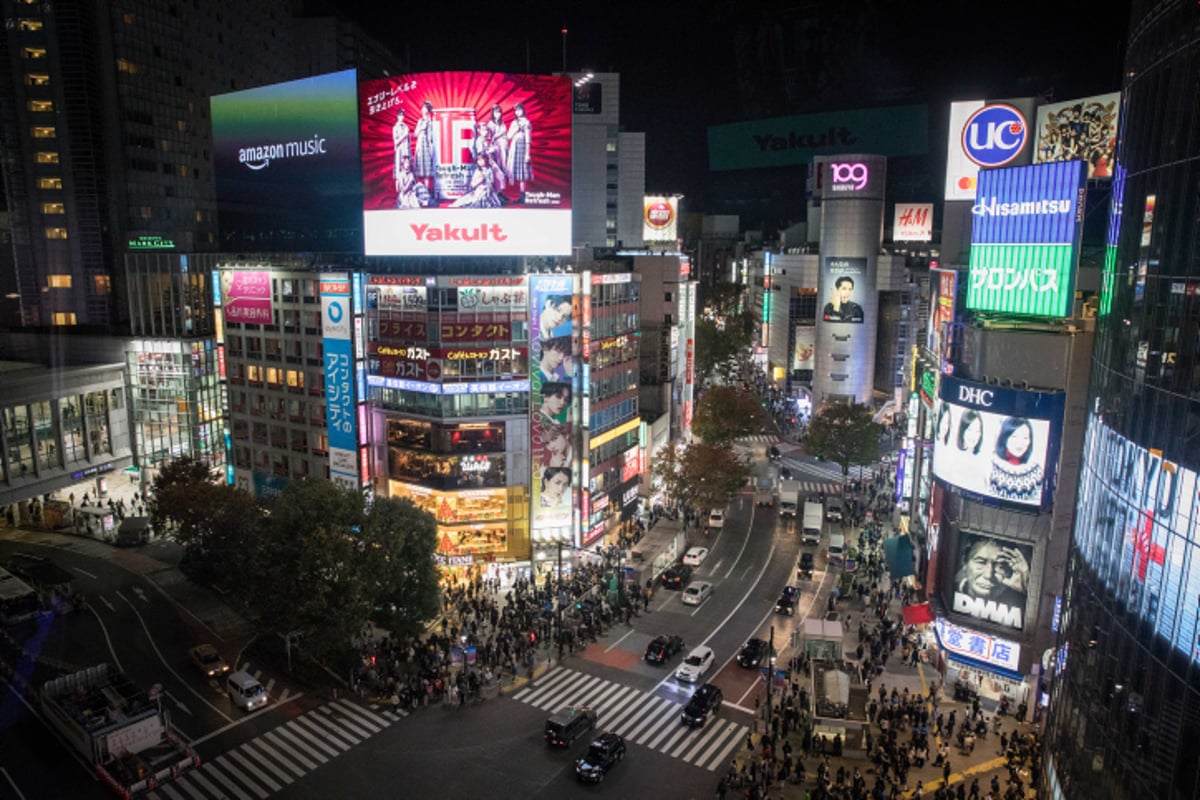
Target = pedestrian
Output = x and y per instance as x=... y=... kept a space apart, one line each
x=946 y=771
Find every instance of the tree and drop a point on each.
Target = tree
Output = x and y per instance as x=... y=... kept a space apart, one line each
x=403 y=578
x=724 y=414
x=176 y=497
x=845 y=434
x=717 y=340
x=699 y=476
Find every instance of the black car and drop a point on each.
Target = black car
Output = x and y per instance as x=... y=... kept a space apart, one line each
x=805 y=569
x=662 y=648
x=753 y=654
x=773 y=453
x=676 y=577
x=603 y=753
x=705 y=702
x=786 y=604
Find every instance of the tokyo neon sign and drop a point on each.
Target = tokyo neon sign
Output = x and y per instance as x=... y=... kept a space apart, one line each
x=848 y=177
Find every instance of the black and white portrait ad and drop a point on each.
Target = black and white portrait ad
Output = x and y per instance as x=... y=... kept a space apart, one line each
x=991 y=583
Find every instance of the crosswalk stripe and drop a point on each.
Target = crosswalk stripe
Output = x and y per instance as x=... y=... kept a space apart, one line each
x=552 y=687
x=253 y=767
x=368 y=717
x=288 y=735
x=575 y=688
x=170 y=792
x=225 y=781
x=286 y=747
x=335 y=739
x=634 y=723
x=527 y=694
x=701 y=758
x=184 y=782
x=674 y=733
x=306 y=735
x=694 y=743
x=199 y=778
x=652 y=721
x=592 y=697
x=601 y=700
x=726 y=749
x=619 y=706
x=347 y=723
x=272 y=761
x=283 y=698
x=227 y=765
x=637 y=711
x=393 y=716
x=345 y=732
x=270 y=685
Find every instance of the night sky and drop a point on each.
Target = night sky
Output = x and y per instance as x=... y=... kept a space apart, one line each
x=687 y=65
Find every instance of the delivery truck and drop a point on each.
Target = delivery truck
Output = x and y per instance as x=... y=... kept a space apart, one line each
x=789 y=498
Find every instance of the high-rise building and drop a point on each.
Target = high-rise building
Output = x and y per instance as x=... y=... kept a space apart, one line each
x=1124 y=717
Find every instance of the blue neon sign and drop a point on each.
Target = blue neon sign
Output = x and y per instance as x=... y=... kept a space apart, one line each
x=1038 y=204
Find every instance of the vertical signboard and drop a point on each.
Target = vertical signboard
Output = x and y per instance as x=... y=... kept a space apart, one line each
x=554 y=383
x=804 y=347
x=659 y=218
x=943 y=289
x=336 y=316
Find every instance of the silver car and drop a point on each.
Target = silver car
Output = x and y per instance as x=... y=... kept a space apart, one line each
x=697 y=592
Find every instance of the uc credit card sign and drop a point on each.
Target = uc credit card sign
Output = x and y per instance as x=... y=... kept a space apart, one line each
x=1025 y=231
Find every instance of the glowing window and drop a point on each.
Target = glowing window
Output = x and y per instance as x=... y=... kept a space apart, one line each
x=56 y=233
x=43 y=131
x=41 y=105
x=58 y=281
x=64 y=318
x=125 y=65
x=30 y=24
x=47 y=157
x=37 y=79
x=103 y=283
x=53 y=208
x=49 y=183
x=33 y=52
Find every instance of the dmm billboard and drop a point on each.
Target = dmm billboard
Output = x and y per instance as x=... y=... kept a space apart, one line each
x=466 y=163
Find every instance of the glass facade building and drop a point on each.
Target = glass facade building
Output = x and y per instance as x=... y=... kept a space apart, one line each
x=1125 y=712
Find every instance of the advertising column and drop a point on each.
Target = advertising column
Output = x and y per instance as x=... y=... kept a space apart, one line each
x=336 y=316
x=851 y=190
x=554 y=386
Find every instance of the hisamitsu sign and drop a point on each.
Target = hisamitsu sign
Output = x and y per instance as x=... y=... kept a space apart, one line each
x=788 y=141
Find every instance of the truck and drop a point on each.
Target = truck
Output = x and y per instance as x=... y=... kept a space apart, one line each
x=122 y=731
x=810 y=530
x=764 y=492
x=789 y=498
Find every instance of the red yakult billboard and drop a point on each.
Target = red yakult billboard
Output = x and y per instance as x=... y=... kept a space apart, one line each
x=466 y=163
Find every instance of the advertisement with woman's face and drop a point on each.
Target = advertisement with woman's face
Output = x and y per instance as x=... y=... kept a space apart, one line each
x=553 y=381
x=1000 y=456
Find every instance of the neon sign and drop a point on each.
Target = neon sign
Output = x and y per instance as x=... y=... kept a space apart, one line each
x=848 y=177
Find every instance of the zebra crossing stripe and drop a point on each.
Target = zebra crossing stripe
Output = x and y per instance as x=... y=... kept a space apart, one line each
x=551 y=694
x=305 y=735
x=225 y=781
x=199 y=778
x=726 y=749
x=336 y=736
x=694 y=743
x=287 y=748
x=635 y=724
x=700 y=754
x=653 y=721
x=254 y=750
x=236 y=772
x=340 y=727
x=618 y=705
x=289 y=736
x=363 y=717
x=170 y=792
x=527 y=694
x=680 y=731
x=579 y=689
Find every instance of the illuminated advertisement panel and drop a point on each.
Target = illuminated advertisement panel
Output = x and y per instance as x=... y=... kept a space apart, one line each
x=913 y=222
x=336 y=314
x=466 y=163
x=286 y=166
x=554 y=386
x=659 y=218
x=997 y=444
x=943 y=285
x=1080 y=130
x=991 y=579
x=977 y=647
x=845 y=283
x=246 y=296
x=1138 y=528
x=1025 y=239
x=985 y=135
x=804 y=347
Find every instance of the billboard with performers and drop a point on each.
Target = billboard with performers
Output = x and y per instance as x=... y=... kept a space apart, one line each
x=844 y=285
x=1080 y=130
x=554 y=385
x=804 y=348
x=992 y=579
x=997 y=444
x=466 y=163
x=286 y=166
x=943 y=291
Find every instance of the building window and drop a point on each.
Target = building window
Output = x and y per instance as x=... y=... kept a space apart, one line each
x=53 y=208
x=102 y=283
x=58 y=281
x=127 y=19
x=63 y=318
x=43 y=131
x=33 y=52
x=37 y=79
x=49 y=183
x=125 y=65
x=47 y=157
x=29 y=24
x=41 y=105
x=146 y=212
x=56 y=233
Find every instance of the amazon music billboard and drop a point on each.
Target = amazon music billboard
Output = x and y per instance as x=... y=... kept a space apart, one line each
x=466 y=163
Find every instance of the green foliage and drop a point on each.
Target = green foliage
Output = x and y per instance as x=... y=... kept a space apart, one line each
x=699 y=476
x=724 y=414
x=717 y=340
x=401 y=540
x=844 y=434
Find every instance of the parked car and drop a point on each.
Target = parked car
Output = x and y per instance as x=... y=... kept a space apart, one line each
x=786 y=604
x=753 y=654
x=695 y=556
x=804 y=571
x=706 y=701
x=208 y=660
x=716 y=519
x=697 y=663
x=602 y=755
x=697 y=592
x=676 y=576
x=662 y=648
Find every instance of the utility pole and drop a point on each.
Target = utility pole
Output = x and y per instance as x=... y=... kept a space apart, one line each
x=770 y=673
x=559 y=600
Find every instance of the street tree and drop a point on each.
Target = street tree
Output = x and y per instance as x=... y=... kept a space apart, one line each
x=699 y=476
x=400 y=541
x=717 y=340
x=724 y=414
x=845 y=434
x=176 y=497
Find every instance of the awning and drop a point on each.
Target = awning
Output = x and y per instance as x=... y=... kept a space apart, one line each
x=920 y=614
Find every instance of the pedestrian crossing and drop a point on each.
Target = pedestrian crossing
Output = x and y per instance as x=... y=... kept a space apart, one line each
x=264 y=765
x=268 y=684
x=810 y=488
x=758 y=438
x=640 y=717
x=832 y=472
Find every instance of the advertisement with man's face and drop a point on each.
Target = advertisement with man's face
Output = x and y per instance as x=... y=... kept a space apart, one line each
x=844 y=286
x=991 y=582
x=997 y=444
x=286 y=166
x=554 y=384
x=466 y=163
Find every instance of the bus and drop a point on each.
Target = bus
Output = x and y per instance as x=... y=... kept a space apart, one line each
x=18 y=600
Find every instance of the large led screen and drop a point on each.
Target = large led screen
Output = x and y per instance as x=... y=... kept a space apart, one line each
x=997 y=444
x=466 y=163
x=991 y=581
x=1138 y=529
x=1080 y=130
x=286 y=166
x=554 y=385
x=1025 y=239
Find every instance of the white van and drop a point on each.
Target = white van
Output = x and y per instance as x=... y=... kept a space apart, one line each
x=834 y=509
x=245 y=691
x=837 y=548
